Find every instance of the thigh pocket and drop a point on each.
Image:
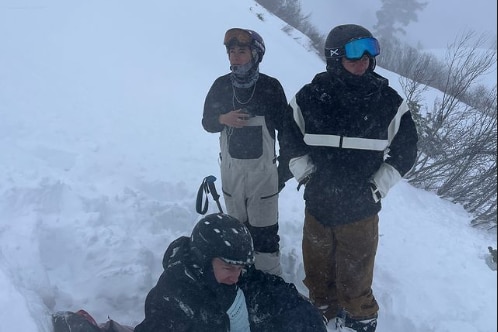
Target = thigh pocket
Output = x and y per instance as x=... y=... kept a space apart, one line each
x=264 y=211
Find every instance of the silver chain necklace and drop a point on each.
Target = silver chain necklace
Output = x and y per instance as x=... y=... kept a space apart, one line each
x=235 y=98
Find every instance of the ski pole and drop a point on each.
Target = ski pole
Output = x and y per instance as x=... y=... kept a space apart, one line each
x=210 y=182
x=207 y=186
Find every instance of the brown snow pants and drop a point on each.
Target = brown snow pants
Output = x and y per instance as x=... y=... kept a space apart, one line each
x=338 y=266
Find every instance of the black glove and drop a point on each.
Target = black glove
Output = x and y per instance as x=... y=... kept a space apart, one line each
x=375 y=192
x=304 y=181
x=284 y=173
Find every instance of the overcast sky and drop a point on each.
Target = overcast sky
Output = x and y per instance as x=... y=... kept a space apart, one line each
x=438 y=24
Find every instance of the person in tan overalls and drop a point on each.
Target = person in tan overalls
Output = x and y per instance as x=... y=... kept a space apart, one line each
x=247 y=108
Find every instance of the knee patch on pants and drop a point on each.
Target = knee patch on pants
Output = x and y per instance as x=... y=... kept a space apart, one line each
x=265 y=239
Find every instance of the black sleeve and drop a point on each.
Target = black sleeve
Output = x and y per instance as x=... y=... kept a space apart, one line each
x=403 y=148
x=162 y=315
x=278 y=304
x=291 y=143
x=304 y=317
x=279 y=118
x=213 y=107
x=280 y=105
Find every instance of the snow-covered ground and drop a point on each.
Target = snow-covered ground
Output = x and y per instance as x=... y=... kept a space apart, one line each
x=102 y=152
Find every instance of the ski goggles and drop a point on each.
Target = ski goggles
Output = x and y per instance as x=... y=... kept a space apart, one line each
x=355 y=49
x=237 y=36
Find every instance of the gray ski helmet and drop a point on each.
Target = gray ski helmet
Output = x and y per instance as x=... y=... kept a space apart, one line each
x=222 y=236
x=340 y=36
x=246 y=37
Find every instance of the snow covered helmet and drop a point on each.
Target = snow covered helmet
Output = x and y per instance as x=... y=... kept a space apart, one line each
x=222 y=236
x=352 y=42
x=246 y=37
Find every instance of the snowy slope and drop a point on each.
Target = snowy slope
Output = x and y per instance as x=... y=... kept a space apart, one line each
x=102 y=153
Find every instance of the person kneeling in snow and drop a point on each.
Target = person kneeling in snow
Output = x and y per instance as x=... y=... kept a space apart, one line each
x=209 y=283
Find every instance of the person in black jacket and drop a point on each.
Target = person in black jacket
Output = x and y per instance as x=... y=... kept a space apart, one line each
x=350 y=138
x=247 y=108
x=210 y=284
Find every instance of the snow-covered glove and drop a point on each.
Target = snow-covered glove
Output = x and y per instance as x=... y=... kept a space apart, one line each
x=375 y=192
x=302 y=168
x=383 y=180
x=304 y=181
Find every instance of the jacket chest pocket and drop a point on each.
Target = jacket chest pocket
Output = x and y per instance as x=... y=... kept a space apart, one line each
x=246 y=143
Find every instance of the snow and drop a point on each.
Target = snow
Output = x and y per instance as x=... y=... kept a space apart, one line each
x=102 y=153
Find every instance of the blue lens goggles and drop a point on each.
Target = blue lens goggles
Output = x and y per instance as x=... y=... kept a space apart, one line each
x=355 y=49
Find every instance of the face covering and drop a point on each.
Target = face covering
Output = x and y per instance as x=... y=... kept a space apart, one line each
x=244 y=76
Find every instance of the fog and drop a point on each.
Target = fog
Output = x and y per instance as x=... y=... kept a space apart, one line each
x=439 y=23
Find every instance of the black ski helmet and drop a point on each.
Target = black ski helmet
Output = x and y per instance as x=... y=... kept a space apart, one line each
x=221 y=236
x=340 y=36
x=246 y=37
x=337 y=38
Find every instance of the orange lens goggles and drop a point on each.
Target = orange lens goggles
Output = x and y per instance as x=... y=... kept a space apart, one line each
x=237 y=36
